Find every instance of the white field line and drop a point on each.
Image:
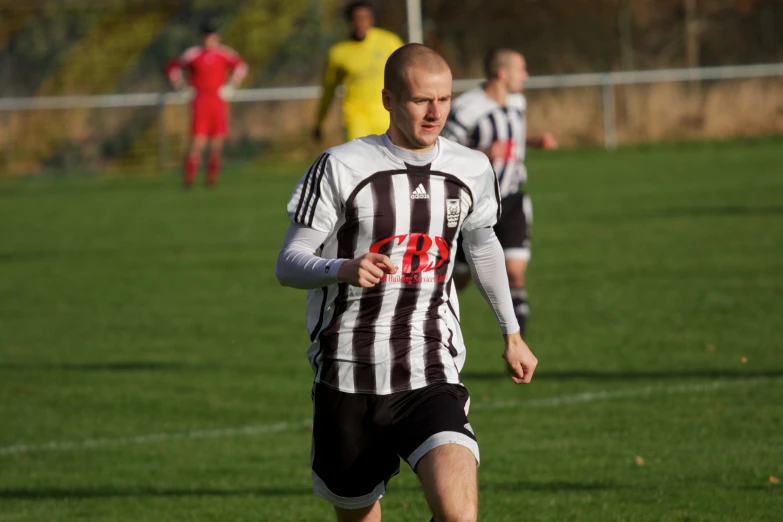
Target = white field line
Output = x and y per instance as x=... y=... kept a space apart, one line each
x=604 y=395
x=549 y=402
x=144 y=439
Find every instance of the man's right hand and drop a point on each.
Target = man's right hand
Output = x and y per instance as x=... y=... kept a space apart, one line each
x=521 y=361
x=317 y=134
x=365 y=271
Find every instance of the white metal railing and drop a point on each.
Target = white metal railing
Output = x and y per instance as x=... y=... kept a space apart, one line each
x=607 y=81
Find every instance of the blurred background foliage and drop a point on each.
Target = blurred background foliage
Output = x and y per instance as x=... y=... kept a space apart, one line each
x=74 y=47
x=284 y=41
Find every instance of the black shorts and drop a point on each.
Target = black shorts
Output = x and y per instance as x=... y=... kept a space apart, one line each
x=512 y=229
x=514 y=226
x=358 y=438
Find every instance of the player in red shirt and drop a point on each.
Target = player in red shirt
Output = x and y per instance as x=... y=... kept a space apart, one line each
x=207 y=65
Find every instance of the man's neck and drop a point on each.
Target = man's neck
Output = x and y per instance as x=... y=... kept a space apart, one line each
x=409 y=155
x=398 y=139
x=356 y=38
x=496 y=91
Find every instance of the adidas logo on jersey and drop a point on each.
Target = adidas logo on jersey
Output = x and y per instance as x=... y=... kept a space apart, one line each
x=420 y=193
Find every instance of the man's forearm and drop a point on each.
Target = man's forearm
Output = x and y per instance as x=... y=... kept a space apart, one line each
x=488 y=268
x=238 y=74
x=298 y=267
x=323 y=106
x=331 y=79
x=176 y=79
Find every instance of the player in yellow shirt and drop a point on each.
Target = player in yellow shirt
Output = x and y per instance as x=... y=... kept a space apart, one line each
x=357 y=64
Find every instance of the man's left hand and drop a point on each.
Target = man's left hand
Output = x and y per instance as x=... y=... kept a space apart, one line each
x=521 y=361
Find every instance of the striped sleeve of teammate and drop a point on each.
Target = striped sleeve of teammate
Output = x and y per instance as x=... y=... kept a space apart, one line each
x=311 y=192
x=455 y=131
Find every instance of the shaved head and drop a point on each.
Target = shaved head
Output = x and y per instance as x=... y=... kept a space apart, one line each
x=417 y=94
x=407 y=57
x=506 y=72
x=498 y=59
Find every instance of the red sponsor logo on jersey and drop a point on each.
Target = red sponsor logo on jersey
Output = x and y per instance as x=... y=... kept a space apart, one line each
x=415 y=278
x=417 y=257
x=509 y=152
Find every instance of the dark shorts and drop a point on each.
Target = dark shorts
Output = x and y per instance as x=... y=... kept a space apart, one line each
x=512 y=229
x=358 y=439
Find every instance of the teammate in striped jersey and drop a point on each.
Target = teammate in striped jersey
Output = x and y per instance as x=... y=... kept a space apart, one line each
x=382 y=214
x=208 y=67
x=492 y=118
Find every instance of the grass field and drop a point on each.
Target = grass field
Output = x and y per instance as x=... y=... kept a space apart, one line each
x=152 y=369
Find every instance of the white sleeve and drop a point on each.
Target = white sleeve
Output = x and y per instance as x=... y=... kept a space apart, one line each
x=486 y=202
x=297 y=265
x=315 y=202
x=488 y=268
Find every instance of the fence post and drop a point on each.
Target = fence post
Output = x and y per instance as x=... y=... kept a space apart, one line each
x=610 y=119
x=162 y=149
x=8 y=143
x=415 y=32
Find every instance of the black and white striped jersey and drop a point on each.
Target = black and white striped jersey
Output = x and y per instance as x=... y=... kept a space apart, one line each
x=403 y=333
x=477 y=121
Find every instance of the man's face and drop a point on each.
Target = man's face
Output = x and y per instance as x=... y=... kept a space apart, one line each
x=516 y=73
x=419 y=112
x=361 y=21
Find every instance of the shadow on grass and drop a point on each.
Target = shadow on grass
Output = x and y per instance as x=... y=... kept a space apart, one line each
x=78 y=494
x=124 y=366
x=764 y=488
x=630 y=375
x=724 y=210
x=551 y=487
x=677 y=212
x=122 y=252
x=169 y=366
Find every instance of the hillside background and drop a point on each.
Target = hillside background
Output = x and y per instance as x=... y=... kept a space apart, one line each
x=80 y=47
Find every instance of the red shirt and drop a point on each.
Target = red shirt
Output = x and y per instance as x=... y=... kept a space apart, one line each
x=208 y=68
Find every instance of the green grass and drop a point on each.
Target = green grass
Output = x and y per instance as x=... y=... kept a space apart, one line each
x=130 y=308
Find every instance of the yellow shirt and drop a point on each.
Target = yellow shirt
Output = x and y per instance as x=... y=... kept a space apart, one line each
x=359 y=67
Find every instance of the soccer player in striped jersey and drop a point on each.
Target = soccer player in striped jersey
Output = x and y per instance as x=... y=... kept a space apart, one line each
x=357 y=64
x=382 y=214
x=493 y=119
x=208 y=67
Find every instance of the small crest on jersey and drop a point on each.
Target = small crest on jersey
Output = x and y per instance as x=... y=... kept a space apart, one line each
x=452 y=212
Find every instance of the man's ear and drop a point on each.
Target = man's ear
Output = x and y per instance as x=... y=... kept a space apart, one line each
x=386 y=95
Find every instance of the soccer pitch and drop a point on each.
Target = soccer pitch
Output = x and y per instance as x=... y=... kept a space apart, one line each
x=152 y=369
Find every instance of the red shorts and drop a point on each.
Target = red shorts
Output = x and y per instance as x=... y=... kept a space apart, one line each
x=210 y=117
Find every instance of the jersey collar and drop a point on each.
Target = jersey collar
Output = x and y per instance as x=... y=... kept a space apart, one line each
x=408 y=156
